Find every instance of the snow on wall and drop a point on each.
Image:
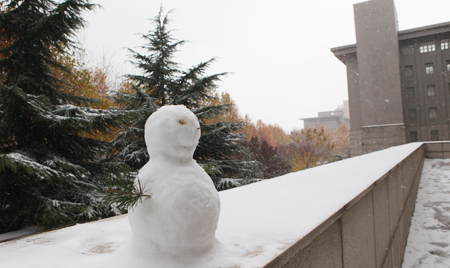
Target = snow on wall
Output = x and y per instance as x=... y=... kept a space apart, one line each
x=257 y=221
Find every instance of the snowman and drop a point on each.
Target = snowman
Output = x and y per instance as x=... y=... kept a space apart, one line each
x=181 y=216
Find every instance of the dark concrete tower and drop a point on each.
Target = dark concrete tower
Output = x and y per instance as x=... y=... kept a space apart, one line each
x=373 y=72
x=378 y=65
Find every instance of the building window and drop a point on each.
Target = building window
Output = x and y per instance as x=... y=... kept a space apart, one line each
x=427 y=47
x=434 y=135
x=408 y=70
x=444 y=44
x=431 y=90
x=410 y=92
x=413 y=135
x=407 y=50
x=432 y=111
x=448 y=66
x=429 y=68
x=412 y=114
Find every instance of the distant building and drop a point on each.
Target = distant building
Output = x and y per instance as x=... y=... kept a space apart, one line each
x=398 y=81
x=329 y=119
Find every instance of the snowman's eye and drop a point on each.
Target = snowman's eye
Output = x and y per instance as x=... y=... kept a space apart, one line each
x=181 y=122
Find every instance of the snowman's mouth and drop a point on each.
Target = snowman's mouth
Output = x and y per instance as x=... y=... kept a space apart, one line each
x=187 y=144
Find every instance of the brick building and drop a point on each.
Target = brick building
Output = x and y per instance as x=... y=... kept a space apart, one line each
x=398 y=81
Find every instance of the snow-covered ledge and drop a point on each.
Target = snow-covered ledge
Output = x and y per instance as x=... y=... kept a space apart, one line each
x=352 y=213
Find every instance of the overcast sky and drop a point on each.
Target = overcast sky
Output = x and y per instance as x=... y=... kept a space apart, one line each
x=277 y=51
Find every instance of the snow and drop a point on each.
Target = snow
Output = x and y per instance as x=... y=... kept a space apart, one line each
x=20 y=233
x=429 y=237
x=257 y=221
x=44 y=171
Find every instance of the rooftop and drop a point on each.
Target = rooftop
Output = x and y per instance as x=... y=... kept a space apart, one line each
x=429 y=236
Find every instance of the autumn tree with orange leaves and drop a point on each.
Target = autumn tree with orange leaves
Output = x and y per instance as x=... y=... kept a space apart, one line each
x=341 y=141
x=310 y=147
x=267 y=144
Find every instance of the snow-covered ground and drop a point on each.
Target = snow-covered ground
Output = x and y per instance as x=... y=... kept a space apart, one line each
x=257 y=222
x=20 y=233
x=429 y=236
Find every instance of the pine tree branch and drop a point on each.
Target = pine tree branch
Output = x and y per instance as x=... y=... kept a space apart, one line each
x=128 y=196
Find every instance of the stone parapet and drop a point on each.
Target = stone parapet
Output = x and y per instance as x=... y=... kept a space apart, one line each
x=372 y=229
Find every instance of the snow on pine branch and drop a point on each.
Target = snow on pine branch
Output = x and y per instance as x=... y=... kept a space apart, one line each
x=16 y=160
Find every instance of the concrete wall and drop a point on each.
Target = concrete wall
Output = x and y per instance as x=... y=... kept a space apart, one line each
x=372 y=229
x=374 y=138
x=354 y=95
x=437 y=150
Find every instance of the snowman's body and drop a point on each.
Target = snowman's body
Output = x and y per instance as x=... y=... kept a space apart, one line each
x=183 y=211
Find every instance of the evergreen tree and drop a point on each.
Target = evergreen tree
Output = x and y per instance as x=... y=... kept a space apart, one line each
x=162 y=82
x=50 y=172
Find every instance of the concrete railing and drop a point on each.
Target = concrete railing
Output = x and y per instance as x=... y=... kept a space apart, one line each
x=437 y=150
x=351 y=213
x=372 y=229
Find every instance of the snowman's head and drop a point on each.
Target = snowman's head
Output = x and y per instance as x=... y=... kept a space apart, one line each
x=172 y=131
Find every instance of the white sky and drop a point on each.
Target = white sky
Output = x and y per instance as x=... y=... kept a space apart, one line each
x=277 y=51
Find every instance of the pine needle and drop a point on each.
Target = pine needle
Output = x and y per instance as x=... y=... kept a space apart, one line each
x=126 y=195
